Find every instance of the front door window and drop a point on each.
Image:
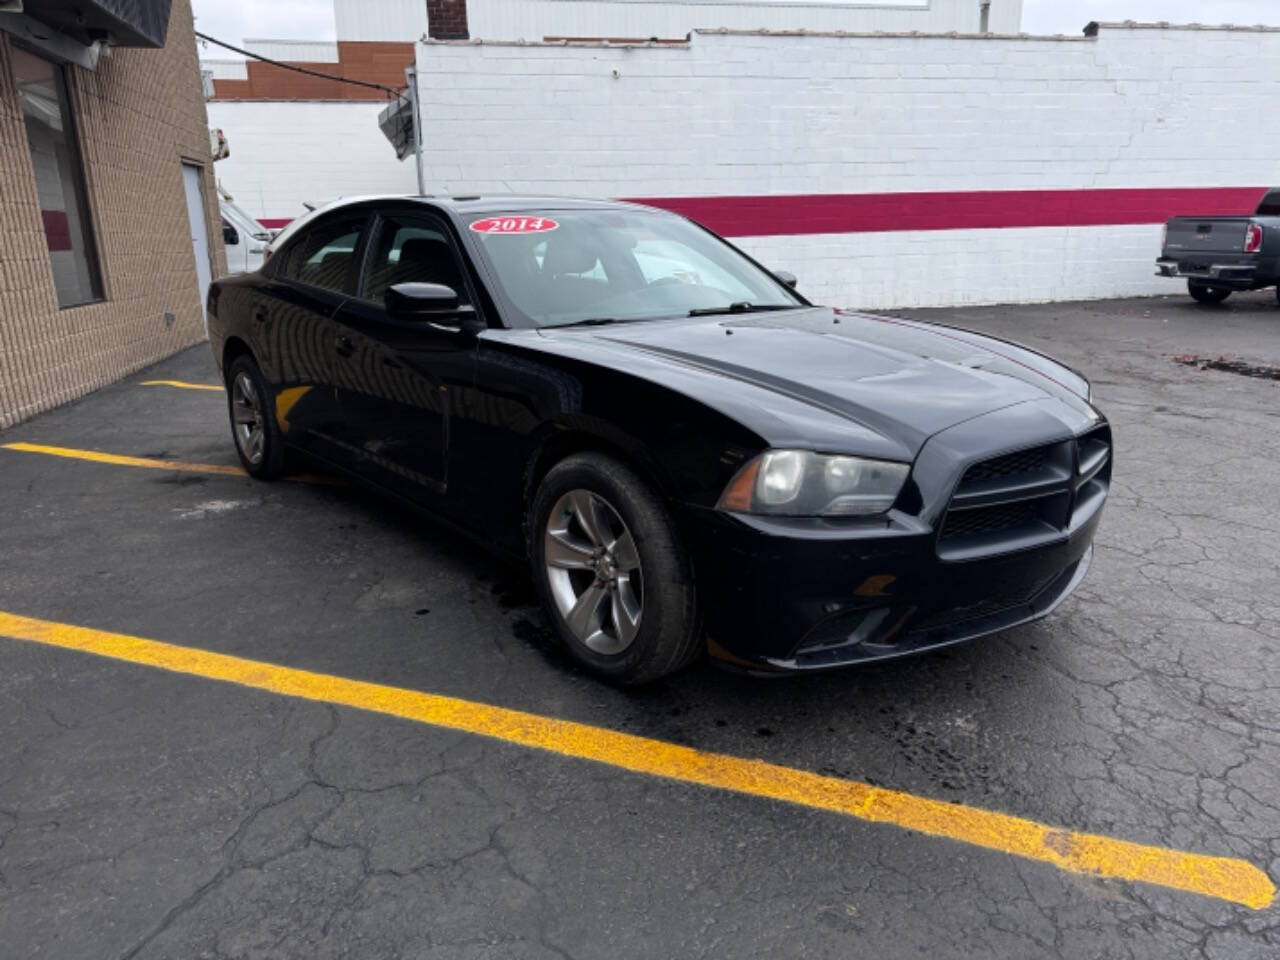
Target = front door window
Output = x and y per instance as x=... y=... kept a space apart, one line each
x=412 y=251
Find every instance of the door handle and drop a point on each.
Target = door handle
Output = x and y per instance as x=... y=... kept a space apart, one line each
x=344 y=346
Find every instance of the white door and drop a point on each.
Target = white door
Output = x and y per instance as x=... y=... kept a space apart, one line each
x=191 y=180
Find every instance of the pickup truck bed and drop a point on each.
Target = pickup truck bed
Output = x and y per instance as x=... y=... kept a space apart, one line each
x=1218 y=255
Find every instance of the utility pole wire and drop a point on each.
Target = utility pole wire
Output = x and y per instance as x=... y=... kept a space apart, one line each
x=297 y=69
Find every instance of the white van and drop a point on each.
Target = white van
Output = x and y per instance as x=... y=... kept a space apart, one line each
x=244 y=238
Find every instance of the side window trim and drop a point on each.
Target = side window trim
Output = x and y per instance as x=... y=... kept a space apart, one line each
x=368 y=225
x=377 y=223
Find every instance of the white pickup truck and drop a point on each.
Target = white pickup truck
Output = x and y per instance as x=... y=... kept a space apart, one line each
x=244 y=238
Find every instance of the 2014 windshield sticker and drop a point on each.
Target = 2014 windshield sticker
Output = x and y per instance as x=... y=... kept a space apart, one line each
x=513 y=226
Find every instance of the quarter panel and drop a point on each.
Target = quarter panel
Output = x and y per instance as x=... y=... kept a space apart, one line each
x=288 y=330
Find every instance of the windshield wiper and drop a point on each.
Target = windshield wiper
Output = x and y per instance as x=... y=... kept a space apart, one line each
x=742 y=306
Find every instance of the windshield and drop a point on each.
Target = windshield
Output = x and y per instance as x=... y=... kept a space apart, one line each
x=242 y=221
x=563 y=267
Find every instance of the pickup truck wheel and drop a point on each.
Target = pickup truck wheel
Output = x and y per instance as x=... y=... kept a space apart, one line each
x=1207 y=292
x=612 y=571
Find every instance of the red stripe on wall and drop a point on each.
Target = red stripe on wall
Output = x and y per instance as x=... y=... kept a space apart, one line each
x=801 y=214
x=57 y=230
x=772 y=216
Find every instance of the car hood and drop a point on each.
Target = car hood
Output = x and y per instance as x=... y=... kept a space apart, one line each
x=900 y=379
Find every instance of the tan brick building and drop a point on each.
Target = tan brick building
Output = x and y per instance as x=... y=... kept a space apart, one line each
x=109 y=226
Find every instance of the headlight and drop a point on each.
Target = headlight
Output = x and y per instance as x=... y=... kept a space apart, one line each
x=798 y=483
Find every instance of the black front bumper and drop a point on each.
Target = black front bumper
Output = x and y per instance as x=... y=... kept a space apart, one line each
x=797 y=595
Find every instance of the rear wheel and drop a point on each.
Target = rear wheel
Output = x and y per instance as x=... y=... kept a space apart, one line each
x=1207 y=292
x=612 y=572
x=251 y=405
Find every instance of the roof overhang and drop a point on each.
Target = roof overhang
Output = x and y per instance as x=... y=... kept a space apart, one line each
x=51 y=43
x=121 y=23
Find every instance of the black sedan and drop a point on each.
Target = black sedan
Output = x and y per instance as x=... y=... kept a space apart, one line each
x=692 y=456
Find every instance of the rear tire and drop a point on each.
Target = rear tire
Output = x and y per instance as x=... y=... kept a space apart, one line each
x=1203 y=292
x=612 y=572
x=251 y=405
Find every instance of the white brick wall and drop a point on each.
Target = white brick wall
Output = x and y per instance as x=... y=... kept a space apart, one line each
x=225 y=69
x=953 y=267
x=746 y=114
x=285 y=153
x=750 y=114
x=295 y=51
x=536 y=19
x=401 y=20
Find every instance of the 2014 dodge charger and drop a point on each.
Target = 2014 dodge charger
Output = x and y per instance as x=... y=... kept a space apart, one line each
x=691 y=455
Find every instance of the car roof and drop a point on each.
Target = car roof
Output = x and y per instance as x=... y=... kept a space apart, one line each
x=483 y=203
x=494 y=203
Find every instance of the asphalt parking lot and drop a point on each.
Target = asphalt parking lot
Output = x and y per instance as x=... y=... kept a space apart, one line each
x=151 y=813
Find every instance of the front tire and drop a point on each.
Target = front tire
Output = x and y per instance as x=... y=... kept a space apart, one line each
x=612 y=572
x=251 y=406
x=1203 y=292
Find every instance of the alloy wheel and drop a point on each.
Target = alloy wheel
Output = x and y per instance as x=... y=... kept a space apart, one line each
x=246 y=418
x=593 y=569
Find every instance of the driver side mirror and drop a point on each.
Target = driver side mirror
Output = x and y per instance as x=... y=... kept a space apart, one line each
x=785 y=278
x=433 y=302
x=230 y=236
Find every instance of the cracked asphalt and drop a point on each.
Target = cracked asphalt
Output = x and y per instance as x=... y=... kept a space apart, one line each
x=152 y=815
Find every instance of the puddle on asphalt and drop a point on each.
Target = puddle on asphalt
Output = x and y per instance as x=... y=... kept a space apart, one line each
x=1258 y=371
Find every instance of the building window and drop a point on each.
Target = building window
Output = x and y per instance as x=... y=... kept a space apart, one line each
x=55 y=156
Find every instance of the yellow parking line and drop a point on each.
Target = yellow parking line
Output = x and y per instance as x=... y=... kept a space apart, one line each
x=152 y=463
x=183 y=385
x=1222 y=877
x=155 y=464
x=147 y=463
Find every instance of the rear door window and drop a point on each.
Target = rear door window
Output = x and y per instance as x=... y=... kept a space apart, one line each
x=325 y=256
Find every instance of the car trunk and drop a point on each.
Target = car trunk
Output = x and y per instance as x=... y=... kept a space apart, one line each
x=1194 y=236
